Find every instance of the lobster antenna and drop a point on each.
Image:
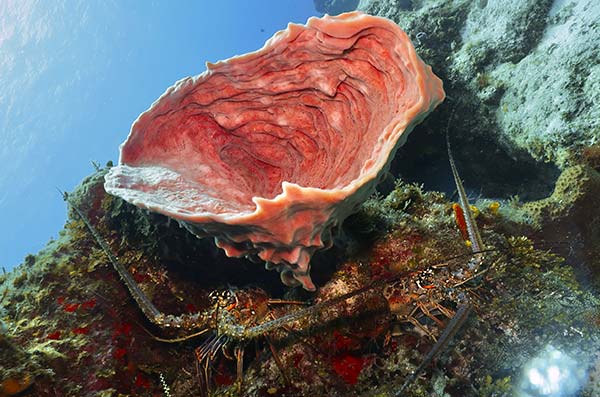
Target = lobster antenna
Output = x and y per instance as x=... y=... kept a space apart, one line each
x=472 y=230
x=145 y=304
x=464 y=309
x=451 y=329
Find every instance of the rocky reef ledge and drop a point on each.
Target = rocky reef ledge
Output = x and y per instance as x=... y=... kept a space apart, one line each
x=70 y=328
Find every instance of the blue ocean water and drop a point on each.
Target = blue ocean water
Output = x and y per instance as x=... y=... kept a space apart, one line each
x=75 y=74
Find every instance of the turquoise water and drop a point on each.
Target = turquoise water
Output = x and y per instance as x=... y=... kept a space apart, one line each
x=74 y=75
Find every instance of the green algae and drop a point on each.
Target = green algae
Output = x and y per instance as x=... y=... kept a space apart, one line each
x=501 y=387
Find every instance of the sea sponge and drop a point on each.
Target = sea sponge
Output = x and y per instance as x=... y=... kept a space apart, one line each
x=267 y=152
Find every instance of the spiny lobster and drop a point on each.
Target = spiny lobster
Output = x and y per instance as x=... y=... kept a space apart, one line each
x=241 y=315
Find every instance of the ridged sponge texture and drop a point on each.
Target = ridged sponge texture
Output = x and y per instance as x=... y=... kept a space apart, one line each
x=268 y=151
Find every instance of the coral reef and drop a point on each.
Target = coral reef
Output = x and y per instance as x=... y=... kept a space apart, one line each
x=70 y=328
x=522 y=78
